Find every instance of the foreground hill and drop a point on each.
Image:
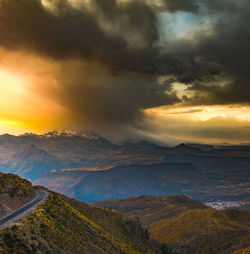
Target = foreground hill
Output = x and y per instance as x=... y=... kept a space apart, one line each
x=64 y=225
x=58 y=227
x=67 y=226
x=187 y=226
x=205 y=231
x=14 y=192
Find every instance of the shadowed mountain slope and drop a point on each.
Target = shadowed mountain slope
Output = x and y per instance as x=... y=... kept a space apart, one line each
x=31 y=162
x=123 y=181
x=152 y=209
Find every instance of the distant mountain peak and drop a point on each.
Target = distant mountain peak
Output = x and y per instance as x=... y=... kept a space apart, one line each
x=186 y=148
x=7 y=138
x=182 y=145
x=30 y=151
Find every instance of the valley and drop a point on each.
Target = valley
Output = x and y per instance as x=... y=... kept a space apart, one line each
x=90 y=168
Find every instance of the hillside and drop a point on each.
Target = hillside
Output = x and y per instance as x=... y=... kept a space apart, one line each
x=67 y=226
x=205 y=231
x=14 y=192
x=243 y=251
x=64 y=225
x=152 y=209
x=187 y=226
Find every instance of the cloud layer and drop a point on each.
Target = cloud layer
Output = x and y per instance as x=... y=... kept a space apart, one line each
x=106 y=57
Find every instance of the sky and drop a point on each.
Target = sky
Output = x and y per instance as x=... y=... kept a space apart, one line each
x=168 y=71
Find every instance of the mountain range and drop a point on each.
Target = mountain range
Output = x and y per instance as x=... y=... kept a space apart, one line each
x=91 y=168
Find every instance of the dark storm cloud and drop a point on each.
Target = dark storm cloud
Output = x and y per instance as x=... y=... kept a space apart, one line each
x=119 y=41
x=96 y=96
x=215 y=62
x=181 y=5
x=112 y=90
x=228 y=47
x=75 y=31
x=103 y=78
x=133 y=16
x=128 y=43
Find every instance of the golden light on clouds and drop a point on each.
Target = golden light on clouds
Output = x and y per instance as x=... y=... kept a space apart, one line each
x=203 y=124
x=114 y=65
x=30 y=86
x=11 y=97
x=23 y=104
x=12 y=87
x=203 y=113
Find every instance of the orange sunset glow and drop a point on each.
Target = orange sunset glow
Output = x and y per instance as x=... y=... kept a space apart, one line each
x=69 y=82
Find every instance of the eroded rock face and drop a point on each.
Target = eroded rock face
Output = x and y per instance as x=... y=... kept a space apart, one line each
x=133 y=225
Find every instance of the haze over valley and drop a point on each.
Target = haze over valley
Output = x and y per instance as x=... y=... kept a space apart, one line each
x=91 y=168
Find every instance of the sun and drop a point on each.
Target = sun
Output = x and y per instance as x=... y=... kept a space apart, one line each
x=12 y=93
x=12 y=87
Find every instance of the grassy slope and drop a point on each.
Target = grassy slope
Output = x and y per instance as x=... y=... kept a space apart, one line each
x=63 y=225
x=111 y=220
x=151 y=209
x=207 y=231
x=187 y=225
x=13 y=184
x=243 y=251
